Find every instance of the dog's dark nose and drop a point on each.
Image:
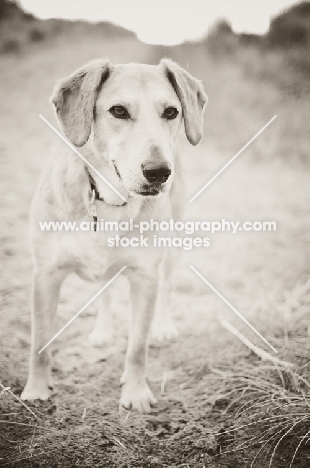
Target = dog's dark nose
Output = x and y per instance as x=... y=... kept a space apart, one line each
x=159 y=173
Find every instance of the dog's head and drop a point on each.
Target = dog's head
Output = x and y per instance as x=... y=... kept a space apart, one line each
x=130 y=116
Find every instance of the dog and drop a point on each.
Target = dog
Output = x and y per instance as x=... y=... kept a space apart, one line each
x=125 y=120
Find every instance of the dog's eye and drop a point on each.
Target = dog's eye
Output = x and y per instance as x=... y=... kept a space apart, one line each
x=119 y=112
x=170 y=113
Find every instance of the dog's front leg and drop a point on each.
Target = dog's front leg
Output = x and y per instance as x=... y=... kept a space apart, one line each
x=136 y=393
x=45 y=296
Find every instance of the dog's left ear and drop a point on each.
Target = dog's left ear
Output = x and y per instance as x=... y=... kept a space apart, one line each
x=192 y=97
x=74 y=99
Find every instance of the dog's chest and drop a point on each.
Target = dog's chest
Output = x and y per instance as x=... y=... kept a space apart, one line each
x=91 y=254
x=87 y=254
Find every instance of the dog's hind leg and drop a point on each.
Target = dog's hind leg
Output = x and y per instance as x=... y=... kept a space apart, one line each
x=163 y=326
x=102 y=333
x=45 y=296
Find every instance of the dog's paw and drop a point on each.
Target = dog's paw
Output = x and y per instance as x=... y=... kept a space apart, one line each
x=163 y=331
x=137 y=397
x=99 y=338
x=36 y=391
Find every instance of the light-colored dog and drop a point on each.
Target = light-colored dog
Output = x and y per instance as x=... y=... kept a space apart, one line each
x=125 y=120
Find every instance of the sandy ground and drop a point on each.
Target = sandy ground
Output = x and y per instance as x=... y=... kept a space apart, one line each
x=252 y=270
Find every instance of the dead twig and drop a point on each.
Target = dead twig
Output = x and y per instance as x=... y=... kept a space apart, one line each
x=264 y=355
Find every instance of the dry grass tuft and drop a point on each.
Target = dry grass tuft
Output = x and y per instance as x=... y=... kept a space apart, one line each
x=267 y=406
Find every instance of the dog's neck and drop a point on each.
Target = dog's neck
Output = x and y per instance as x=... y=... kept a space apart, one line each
x=103 y=184
x=110 y=205
x=99 y=191
x=69 y=187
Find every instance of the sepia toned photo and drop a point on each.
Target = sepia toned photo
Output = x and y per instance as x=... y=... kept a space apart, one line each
x=155 y=248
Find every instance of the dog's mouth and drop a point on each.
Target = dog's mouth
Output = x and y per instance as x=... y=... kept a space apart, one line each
x=117 y=171
x=146 y=192
x=149 y=193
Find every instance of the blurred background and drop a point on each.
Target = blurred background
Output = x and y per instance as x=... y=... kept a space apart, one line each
x=254 y=61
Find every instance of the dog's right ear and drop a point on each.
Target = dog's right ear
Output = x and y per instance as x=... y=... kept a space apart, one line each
x=74 y=99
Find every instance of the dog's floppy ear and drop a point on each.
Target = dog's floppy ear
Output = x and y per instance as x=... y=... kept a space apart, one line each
x=74 y=99
x=192 y=97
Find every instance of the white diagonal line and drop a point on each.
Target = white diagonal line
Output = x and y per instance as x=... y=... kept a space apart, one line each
x=232 y=159
x=7 y=389
x=233 y=309
x=82 y=157
x=81 y=310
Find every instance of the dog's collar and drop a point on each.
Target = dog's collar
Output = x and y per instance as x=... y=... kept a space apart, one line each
x=95 y=195
x=93 y=187
x=94 y=192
